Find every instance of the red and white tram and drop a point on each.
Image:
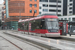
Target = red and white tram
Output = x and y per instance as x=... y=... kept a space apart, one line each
x=45 y=25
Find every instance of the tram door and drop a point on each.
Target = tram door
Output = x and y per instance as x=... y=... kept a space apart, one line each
x=63 y=27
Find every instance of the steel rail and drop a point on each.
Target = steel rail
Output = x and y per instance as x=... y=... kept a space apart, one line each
x=12 y=43
x=39 y=44
x=23 y=40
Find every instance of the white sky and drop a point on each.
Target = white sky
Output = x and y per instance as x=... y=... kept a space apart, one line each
x=1 y=1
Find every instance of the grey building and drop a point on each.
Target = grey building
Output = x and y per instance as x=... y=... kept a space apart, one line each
x=74 y=7
x=51 y=6
x=68 y=10
x=68 y=7
x=64 y=7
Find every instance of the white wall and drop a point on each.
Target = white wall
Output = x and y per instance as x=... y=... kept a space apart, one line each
x=53 y=8
x=69 y=6
x=71 y=17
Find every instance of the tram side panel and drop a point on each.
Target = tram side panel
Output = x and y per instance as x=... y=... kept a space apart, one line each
x=39 y=27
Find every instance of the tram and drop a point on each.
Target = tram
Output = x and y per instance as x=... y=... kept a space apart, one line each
x=44 y=25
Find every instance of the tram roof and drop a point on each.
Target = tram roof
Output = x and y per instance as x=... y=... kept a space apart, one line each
x=43 y=16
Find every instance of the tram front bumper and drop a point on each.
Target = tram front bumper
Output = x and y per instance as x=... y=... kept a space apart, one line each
x=53 y=34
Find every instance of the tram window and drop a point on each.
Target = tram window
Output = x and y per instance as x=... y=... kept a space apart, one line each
x=42 y=26
x=21 y=26
x=26 y=25
x=60 y=27
x=35 y=25
x=38 y=24
x=73 y=29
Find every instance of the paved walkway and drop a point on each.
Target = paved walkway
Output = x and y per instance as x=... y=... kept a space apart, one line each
x=67 y=37
x=72 y=37
x=5 y=45
x=63 y=44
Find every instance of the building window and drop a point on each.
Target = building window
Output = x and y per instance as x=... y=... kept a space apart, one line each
x=52 y=0
x=59 y=14
x=70 y=12
x=73 y=19
x=71 y=0
x=30 y=0
x=35 y=11
x=35 y=5
x=69 y=19
x=65 y=19
x=54 y=6
x=52 y=10
x=59 y=1
x=61 y=18
x=30 y=11
x=30 y=5
x=45 y=5
x=35 y=0
x=39 y=7
x=59 y=10
x=70 y=8
x=43 y=0
x=39 y=12
x=71 y=4
x=45 y=10
x=59 y=5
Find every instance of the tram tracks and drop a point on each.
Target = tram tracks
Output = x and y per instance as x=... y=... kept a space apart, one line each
x=61 y=38
x=40 y=46
x=12 y=43
x=58 y=41
x=26 y=41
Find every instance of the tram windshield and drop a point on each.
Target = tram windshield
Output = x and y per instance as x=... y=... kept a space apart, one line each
x=52 y=24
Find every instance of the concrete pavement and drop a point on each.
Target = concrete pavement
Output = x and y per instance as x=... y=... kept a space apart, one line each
x=68 y=37
x=62 y=44
x=7 y=46
x=72 y=37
